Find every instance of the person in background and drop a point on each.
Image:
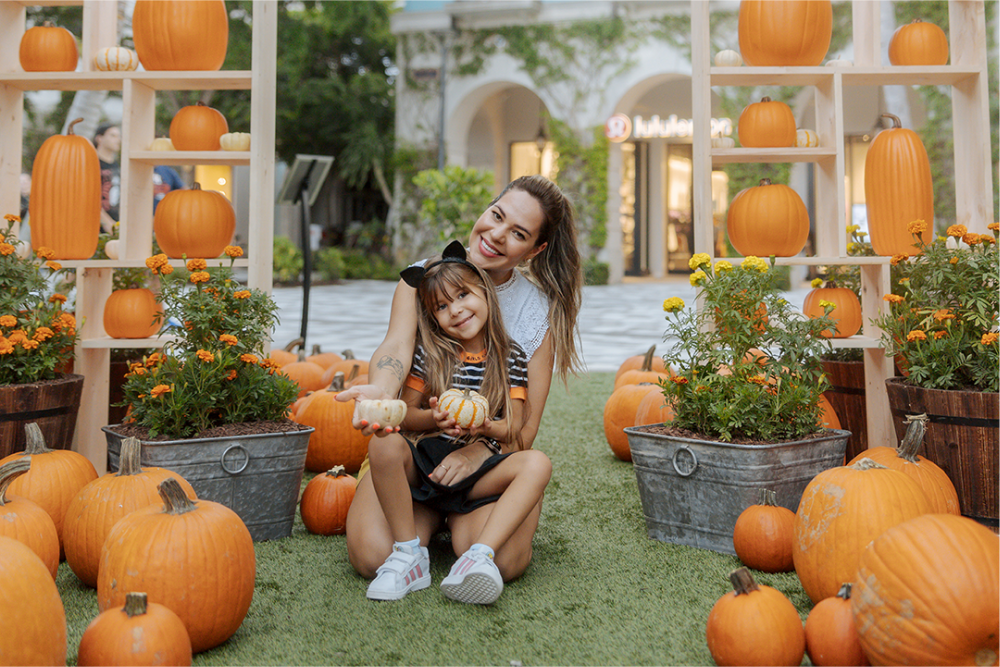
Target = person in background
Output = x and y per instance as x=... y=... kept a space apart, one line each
x=165 y=179
x=108 y=142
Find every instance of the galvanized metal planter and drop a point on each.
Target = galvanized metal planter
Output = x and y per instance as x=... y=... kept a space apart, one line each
x=256 y=476
x=692 y=491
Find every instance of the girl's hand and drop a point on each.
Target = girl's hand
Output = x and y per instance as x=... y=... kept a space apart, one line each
x=488 y=429
x=443 y=419
x=459 y=464
x=362 y=392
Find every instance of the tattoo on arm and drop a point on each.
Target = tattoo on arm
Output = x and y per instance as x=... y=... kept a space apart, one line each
x=392 y=364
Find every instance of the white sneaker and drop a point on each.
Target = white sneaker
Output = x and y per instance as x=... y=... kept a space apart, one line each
x=403 y=571
x=474 y=578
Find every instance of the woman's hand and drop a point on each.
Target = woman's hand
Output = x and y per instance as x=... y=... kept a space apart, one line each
x=460 y=463
x=360 y=393
x=443 y=418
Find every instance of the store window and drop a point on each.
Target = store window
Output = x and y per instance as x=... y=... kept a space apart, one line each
x=526 y=159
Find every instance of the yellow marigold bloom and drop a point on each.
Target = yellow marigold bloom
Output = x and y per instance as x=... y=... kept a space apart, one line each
x=958 y=231
x=45 y=252
x=8 y=321
x=938 y=335
x=43 y=333
x=679 y=380
x=953 y=260
x=917 y=227
x=697 y=278
x=248 y=358
x=160 y=389
x=231 y=375
x=29 y=344
x=901 y=257
x=10 y=217
x=850 y=247
x=6 y=347
x=673 y=304
x=206 y=356
x=861 y=235
x=196 y=264
x=200 y=277
x=989 y=338
x=752 y=263
x=228 y=339
x=722 y=266
x=916 y=334
x=816 y=282
x=852 y=228
x=57 y=298
x=233 y=251
x=242 y=294
x=893 y=298
x=994 y=226
x=824 y=304
x=55 y=266
x=6 y=249
x=699 y=259
x=943 y=314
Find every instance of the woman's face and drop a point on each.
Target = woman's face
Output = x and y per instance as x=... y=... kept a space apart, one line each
x=506 y=234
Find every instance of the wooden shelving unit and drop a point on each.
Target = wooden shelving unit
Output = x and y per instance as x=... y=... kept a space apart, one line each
x=967 y=76
x=138 y=90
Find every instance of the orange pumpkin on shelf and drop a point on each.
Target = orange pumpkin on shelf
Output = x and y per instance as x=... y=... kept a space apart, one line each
x=789 y=33
x=36 y=634
x=768 y=219
x=846 y=311
x=918 y=43
x=26 y=521
x=198 y=128
x=767 y=124
x=180 y=34
x=113 y=637
x=65 y=201
x=48 y=48
x=194 y=223
x=132 y=313
x=325 y=502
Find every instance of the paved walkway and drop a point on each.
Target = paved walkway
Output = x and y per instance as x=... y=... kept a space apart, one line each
x=616 y=321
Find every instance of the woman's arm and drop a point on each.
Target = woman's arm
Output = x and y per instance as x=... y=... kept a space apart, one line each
x=539 y=382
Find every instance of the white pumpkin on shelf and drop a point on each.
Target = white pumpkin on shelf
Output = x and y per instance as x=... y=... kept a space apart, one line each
x=839 y=62
x=723 y=142
x=162 y=144
x=116 y=59
x=806 y=138
x=235 y=141
x=111 y=249
x=728 y=58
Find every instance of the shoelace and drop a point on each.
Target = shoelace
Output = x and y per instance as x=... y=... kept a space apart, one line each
x=398 y=562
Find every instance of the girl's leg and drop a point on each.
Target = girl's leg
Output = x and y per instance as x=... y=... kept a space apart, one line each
x=392 y=472
x=514 y=556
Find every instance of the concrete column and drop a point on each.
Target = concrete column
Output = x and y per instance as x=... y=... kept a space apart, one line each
x=656 y=224
x=613 y=245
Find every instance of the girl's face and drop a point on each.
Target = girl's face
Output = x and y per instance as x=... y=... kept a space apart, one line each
x=506 y=234
x=461 y=312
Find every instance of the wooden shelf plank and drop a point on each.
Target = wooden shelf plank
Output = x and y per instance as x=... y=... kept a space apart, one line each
x=222 y=80
x=865 y=342
x=771 y=155
x=175 y=158
x=816 y=261
x=942 y=75
x=141 y=263
x=106 y=342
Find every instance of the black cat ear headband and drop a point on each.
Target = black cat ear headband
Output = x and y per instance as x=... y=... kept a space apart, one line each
x=455 y=252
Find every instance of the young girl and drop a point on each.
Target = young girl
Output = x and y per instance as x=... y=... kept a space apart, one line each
x=462 y=345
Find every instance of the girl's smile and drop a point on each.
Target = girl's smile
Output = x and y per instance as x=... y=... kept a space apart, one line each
x=462 y=313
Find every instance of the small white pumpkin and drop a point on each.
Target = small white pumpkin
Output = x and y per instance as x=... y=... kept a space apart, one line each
x=162 y=144
x=723 y=142
x=116 y=59
x=235 y=141
x=111 y=249
x=468 y=408
x=385 y=413
x=839 y=62
x=806 y=138
x=728 y=58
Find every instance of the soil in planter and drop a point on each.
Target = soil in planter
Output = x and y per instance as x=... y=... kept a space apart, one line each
x=225 y=430
x=684 y=433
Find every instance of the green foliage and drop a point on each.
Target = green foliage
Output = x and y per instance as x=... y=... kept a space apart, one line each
x=583 y=176
x=723 y=388
x=452 y=200
x=943 y=324
x=595 y=272
x=362 y=265
x=215 y=372
x=328 y=263
x=36 y=335
x=288 y=261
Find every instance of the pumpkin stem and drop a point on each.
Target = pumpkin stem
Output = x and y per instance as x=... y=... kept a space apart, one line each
x=135 y=604
x=647 y=359
x=743 y=582
x=896 y=123
x=338 y=382
x=69 y=130
x=129 y=462
x=316 y=349
x=35 y=440
x=915 y=430
x=197 y=186
x=175 y=501
x=845 y=591
x=336 y=471
x=866 y=464
x=767 y=497
x=9 y=472
x=765 y=181
x=347 y=354
x=765 y=99
x=293 y=344
x=354 y=373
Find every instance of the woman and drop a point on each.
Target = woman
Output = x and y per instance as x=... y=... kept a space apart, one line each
x=532 y=222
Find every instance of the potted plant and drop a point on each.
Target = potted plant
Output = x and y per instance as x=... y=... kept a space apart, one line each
x=37 y=337
x=210 y=405
x=746 y=401
x=942 y=329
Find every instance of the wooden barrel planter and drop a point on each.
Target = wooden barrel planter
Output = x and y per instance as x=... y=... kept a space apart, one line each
x=962 y=437
x=52 y=404
x=847 y=395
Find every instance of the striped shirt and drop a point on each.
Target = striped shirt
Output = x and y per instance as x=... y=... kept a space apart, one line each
x=469 y=372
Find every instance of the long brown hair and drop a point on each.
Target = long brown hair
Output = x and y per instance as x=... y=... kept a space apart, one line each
x=556 y=270
x=441 y=353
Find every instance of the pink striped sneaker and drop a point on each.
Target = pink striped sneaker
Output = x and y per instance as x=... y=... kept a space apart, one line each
x=403 y=571
x=474 y=578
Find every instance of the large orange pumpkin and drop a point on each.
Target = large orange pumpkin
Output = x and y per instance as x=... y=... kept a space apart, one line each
x=648 y=371
x=637 y=360
x=346 y=366
x=48 y=48
x=101 y=503
x=326 y=500
x=898 y=189
x=918 y=43
x=785 y=33
x=286 y=355
x=768 y=219
x=932 y=479
x=25 y=521
x=754 y=625
x=324 y=359
x=180 y=34
x=335 y=440
x=927 y=592
x=132 y=313
x=194 y=557
x=138 y=633
x=198 y=128
x=767 y=124
x=619 y=413
x=194 y=223
x=306 y=374
x=34 y=627
x=65 y=202
x=763 y=535
x=831 y=638
x=653 y=409
x=841 y=511
x=846 y=311
x=55 y=477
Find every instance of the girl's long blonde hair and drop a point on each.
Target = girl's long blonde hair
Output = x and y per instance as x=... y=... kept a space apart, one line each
x=442 y=354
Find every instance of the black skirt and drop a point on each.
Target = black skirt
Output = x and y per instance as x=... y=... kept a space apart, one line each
x=427 y=455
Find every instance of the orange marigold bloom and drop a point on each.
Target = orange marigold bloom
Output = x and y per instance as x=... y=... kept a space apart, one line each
x=958 y=231
x=231 y=375
x=153 y=359
x=206 y=356
x=757 y=379
x=971 y=239
x=248 y=358
x=679 y=380
x=29 y=344
x=137 y=369
x=160 y=389
x=6 y=249
x=242 y=294
x=989 y=338
x=17 y=336
x=200 y=277
x=917 y=227
x=233 y=251
x=64 y=321
x=55 y=266
x=994 y=226
x=8 y=321
x=46 y=252
x=229 y=339
x=986 y=238
x=166 y=270
x=938 y=335
x=953 y=260
x=196 y=264
x=10 y=217
x=916 y=334
x=43 y=333
x=901 y=257
x=6 y=347
x=57 y=298
x=943 y=314
x=893 y=298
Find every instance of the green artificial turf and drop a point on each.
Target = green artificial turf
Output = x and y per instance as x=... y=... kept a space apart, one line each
x=598 y=591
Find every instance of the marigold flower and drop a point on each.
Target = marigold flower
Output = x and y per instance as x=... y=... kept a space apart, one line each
x=137 y=369
x=915 y=335
x=200 y=277
x=165 y=270
x=993 y=226
x=233 y=251
x=45 y=252
x=17 y=336
x=196 y=264
x=248 y=358
x=757 y=379
x=986 y=238
x=242 y=294
x=850 y=247
x=861 y=235
x=893 y=298
x=938 y=335
x=677 y=379
x=989 y=338
x=57 y=298
x=699 y=259
x=917 y=227
x=10 y=217
x=816 y=282
x=43 y=333
x=853 y=228
x=752 y=263
x=229 y=339
x=824 y=304
x=673 y=304
x=153 y=359
x=231 y=375
x=901 y=257
x=958 y=231
x=943 y=314
x=6 y=249
x=971 y=239
x=64 y=321
x=55 y=266
x=205 y=356
x=6 y=347
x=953 y=260
x=697 y=278
x=160 y=389
x=8 y=321
x=722 y=266
x=29 y=344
